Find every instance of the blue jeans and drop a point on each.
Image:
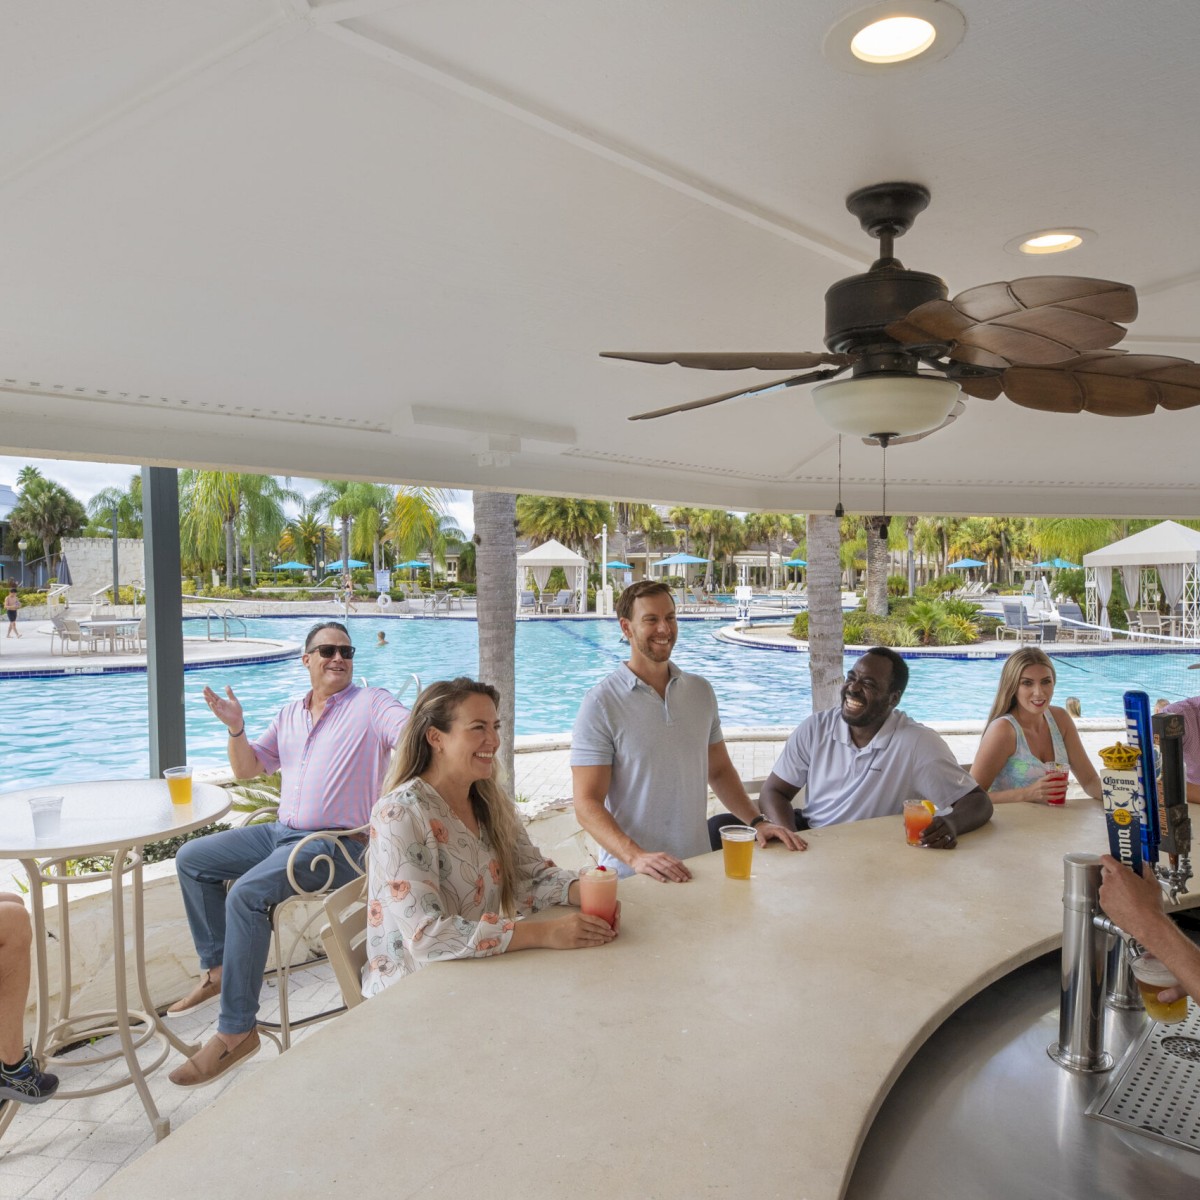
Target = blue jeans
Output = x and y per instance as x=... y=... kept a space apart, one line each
x=233 y=930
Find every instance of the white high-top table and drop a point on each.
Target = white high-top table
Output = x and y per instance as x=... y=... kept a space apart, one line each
x=117 y=818
x=735 y=1041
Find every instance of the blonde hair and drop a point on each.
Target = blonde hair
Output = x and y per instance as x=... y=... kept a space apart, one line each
x=436 y=708
x=1010 y=678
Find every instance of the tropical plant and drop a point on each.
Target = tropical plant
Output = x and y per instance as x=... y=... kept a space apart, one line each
x=629 y=515
x=773 y=529
x=420 y=524
x=128 y=505
x=302 y=538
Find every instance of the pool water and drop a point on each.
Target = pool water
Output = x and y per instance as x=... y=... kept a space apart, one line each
x=96 y=726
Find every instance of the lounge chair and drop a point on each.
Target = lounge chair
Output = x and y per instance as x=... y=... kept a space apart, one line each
x=701 y=601
x=1150 y=621
x=527 y=603
x=436 y=602
x=1071 y=621
x=1016 y=622
x=1131 y=620
x=564 y=602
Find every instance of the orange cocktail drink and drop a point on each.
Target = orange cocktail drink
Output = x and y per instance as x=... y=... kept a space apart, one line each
x=737 y=844
x=598 y=893
x=918 y=816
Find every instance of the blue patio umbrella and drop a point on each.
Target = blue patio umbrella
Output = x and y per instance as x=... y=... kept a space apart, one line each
x=679 y=560
x=618 y=566
x=1060 y=564
x=413 y=564
x=294 y=566
x=337 y=565
x=965 y=562
x=796 y=562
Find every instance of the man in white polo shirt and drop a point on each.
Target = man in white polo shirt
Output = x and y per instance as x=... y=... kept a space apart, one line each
x=647 y=746
x=865 y=758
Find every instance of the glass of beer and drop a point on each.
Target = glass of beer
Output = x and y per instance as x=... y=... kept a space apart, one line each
x=1059 y=772
x=918 y=816
x=179 y=784
x=737 y=844
x=1152 y=977
x=598 y=893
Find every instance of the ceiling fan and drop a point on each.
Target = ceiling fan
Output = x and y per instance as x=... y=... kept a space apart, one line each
x=1043 y=341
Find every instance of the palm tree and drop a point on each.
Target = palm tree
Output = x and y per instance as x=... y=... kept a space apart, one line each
x=877 y=531
x=627 y=515
x=209 y=504
x=496 y=565
x=420 y=524
x=825 y=646
x=773 y=528
x=45 y=511
x=303 y=536
x=571 y=521
x=128 y=504
x=263 y=518
x=684 y=519
x=716 y=525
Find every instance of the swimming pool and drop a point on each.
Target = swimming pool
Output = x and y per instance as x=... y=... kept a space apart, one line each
x=96 y=727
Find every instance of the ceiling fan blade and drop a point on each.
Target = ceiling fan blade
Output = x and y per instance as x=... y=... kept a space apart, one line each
x=1110 y=383
x=751 y=391
x=737 y=361
x=1038 y=320
x=956 y=412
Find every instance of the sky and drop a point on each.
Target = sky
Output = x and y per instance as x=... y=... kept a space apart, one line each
x=84 y=479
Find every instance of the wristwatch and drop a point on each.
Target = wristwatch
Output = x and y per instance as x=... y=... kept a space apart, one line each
x=759 y=820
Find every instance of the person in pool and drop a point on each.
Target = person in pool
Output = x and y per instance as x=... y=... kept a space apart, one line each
x=450 y=868
x=1025 y=734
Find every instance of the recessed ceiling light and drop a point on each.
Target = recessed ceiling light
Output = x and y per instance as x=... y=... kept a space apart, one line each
x=894 y=36
x=893 y=39
x=1048 y=241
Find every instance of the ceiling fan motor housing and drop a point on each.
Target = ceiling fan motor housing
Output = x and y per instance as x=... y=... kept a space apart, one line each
x=859 y=309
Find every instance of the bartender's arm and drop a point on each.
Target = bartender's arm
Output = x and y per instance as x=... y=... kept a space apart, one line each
x=590 y=787
x=1134 y=902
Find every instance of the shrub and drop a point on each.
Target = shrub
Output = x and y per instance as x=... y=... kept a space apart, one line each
x=956 y=631
x=897 y=585
x=800 y=626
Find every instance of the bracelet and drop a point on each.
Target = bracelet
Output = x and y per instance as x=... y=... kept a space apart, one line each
x=759 y=820
x=239 y=732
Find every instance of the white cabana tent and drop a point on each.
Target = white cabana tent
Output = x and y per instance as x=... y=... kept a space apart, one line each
x=1165 y=557
x=541 y=560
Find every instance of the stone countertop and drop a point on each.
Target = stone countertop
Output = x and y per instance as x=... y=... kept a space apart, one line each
x=736 y=1040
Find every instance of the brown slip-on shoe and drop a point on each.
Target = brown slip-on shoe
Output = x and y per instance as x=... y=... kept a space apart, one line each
x=213 y=1059
x=203 y=993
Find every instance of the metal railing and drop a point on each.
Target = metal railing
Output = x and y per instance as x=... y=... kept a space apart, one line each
x=227 y=619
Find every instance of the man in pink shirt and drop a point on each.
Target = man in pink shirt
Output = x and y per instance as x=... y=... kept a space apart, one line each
x=332 y=747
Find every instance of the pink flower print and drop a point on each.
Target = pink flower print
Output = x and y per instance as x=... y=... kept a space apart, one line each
x=508 y=926
x=478 y=898
x=488 y=944
x=399 y=888
x=440 y=832
x=490 y=919
x=375 y=913
x=374 y=832
x=494 y=870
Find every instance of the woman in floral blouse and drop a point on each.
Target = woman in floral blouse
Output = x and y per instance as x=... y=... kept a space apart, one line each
x=451 y=869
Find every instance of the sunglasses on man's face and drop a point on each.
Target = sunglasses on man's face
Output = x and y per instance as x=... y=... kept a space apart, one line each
x=330 y=651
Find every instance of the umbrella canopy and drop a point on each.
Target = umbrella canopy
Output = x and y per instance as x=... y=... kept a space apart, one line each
x=294 y=566
x=1059 y=564
x=966 y=562
x=679 y=560
x=796 y=562
x=413 y=564
x=338 y=565
x=618 y=566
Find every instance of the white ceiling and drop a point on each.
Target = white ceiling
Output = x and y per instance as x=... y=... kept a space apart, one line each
x=387 y=239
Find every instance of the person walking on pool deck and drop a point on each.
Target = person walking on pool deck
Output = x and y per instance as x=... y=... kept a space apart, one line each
x=332 y=746
x=21 y=1077
x=865 y=758
x=12 y=603
x=646 y=748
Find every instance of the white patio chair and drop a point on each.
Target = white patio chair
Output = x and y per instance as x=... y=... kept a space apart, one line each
x=345 y=938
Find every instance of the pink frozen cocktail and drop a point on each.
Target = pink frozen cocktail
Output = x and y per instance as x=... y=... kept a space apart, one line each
x=598 y=893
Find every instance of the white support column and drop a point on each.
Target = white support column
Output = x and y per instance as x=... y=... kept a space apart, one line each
x=1092 y=611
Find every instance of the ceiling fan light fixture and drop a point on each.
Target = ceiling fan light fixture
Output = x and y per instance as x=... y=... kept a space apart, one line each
x=1049 y=241
x=894 y=36
x=893 y=39
x=885 y=404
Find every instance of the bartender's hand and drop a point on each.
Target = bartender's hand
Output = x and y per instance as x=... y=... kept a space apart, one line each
x=660 y=865
x=766 y=830
x=1134 y=902
x=939 y=834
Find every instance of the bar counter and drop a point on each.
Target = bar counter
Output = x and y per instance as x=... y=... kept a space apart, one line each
x=736 y=1040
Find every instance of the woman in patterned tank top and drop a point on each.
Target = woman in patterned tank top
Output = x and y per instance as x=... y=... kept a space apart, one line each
x=1026 y=736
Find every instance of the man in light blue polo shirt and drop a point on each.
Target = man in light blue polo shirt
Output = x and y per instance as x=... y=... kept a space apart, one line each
x=647 y=747
x=865 y=758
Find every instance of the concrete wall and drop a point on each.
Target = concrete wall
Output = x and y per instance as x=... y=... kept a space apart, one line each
x=90 y=560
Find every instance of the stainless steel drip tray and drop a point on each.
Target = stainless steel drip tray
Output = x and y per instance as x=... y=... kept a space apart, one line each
x=983 y=1113
x=1155 y=1090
